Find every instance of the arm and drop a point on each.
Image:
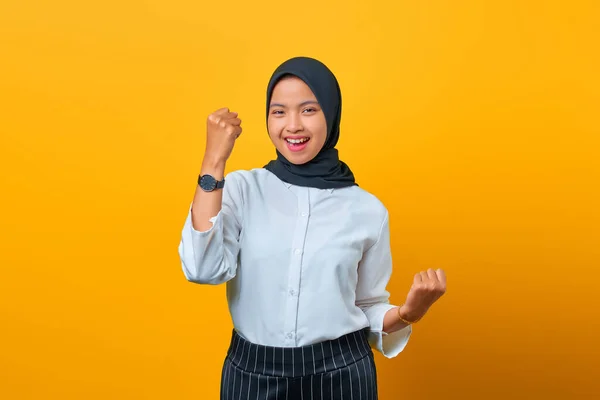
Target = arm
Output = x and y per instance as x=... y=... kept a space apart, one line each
x=390 y=329
x=209 y=251
x=389 y=335
x=209 y=243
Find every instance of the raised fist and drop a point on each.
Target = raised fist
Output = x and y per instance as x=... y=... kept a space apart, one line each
x=223 y=127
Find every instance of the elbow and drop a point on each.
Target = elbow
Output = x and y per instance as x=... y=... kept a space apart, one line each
x=203 y=279
x=192 y=275
x=202 y=267
x=368 y=303
x=204 y=275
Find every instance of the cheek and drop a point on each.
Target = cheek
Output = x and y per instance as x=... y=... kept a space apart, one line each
x=320 y=135
x=273 y=129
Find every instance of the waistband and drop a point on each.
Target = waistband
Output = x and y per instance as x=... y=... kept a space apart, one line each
x=299 y=361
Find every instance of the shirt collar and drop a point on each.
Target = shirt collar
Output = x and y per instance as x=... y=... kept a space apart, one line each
x=289 y=185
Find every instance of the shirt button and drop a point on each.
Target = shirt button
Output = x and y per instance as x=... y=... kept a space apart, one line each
x=298 y=252
x=305 y=214
x=290 y=335
x=292 y=292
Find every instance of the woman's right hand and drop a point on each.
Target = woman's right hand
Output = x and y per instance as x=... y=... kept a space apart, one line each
x=222 y=129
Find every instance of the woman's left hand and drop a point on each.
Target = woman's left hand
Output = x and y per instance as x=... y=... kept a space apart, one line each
x=428 y=286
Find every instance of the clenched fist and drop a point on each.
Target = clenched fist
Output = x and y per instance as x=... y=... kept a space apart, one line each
x=428 y=286
x=222 y=129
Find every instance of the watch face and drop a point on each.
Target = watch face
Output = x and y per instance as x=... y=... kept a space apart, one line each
x=208 y=183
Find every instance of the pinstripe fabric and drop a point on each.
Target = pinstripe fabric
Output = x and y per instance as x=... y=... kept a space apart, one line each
x=338 y=369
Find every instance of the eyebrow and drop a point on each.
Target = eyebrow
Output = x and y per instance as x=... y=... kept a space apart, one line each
x=301 y=104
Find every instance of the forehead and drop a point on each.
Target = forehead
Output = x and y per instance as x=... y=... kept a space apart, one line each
x=292 y=88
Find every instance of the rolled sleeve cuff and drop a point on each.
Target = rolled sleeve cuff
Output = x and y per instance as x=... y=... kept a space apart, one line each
x=388 y=344
x=216 y=220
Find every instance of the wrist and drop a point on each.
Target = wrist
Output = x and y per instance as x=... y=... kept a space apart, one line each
x=216 y=168
x=407 y=315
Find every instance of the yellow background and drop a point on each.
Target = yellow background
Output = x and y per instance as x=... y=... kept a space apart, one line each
x=476 y=122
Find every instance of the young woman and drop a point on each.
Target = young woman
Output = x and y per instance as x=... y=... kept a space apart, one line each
x=304 y=251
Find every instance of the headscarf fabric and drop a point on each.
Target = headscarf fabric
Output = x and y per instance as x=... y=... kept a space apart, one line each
x=326 y=170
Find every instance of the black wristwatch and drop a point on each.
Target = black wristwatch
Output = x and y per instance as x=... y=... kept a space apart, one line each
x=208 y=183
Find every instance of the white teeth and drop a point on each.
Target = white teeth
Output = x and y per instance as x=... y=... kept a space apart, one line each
x=296 y=141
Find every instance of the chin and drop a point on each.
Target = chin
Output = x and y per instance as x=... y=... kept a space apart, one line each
x=296 y=159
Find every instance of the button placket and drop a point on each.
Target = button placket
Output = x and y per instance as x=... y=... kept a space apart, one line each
x=295 y=267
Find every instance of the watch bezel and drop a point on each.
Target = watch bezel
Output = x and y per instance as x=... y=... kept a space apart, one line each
x=208 y=183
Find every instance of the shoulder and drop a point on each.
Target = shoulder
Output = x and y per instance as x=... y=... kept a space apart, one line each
x=369 y=206
x=247 y=178
x=248 y=182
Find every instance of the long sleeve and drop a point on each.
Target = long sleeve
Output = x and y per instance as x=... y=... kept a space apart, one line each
x=374 y=273
x=210 y=257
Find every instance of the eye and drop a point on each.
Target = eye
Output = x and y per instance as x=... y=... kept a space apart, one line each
x=277 y=112
x=310 y=109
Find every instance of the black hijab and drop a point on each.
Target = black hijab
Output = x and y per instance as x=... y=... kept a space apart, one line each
x=325 y=171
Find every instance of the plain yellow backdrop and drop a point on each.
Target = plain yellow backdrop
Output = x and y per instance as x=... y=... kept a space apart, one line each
x=475 y=122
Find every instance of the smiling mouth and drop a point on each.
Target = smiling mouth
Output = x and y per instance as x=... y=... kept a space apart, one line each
x=297 y=141
x=296 y=144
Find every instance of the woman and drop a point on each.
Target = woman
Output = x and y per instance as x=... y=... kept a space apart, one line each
x=304 y=251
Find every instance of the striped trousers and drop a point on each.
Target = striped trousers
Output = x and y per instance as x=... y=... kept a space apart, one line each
x=342 y=368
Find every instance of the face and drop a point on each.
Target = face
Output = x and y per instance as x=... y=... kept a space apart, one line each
x=296 y=122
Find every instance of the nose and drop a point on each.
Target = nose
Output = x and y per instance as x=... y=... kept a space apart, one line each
x=294 y=123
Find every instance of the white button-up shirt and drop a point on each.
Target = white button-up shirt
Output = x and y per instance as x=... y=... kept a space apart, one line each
x=302 y=265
